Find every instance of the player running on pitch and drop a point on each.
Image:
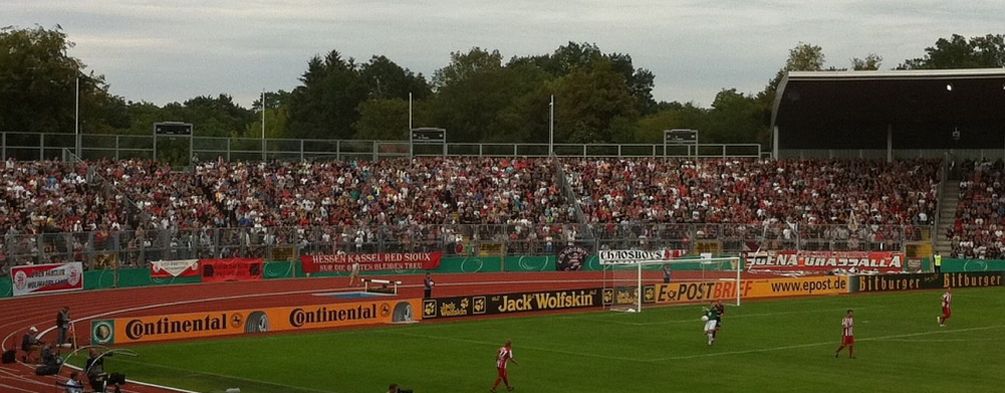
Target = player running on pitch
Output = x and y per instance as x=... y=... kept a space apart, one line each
x=711 y=319
x=947 y=307
x=847 y=335
x=721 y=309
x=503 y=357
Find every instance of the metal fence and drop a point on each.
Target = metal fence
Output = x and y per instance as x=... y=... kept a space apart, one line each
x=42 y=146
x=100 y=249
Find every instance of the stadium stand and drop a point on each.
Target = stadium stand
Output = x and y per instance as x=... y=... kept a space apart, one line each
x=978 y=230
x=58 y=211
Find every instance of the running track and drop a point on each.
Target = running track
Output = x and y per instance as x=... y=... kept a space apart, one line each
x=20 y=313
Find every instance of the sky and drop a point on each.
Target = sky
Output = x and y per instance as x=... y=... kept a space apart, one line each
x=171 y=50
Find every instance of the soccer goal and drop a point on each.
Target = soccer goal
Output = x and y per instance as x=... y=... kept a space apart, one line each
x=630 y=284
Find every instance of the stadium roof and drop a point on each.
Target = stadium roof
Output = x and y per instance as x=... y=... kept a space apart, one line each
x=916 y=109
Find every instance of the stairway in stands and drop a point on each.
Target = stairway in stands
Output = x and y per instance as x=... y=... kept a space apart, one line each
x=947 y=215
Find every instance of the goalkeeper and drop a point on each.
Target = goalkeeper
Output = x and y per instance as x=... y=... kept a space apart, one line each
x=711 y=319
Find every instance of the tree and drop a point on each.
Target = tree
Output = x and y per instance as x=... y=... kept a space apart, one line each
x=958 y=52
x=590 y=102
x=870 y=63
x=385 y=79
x=382 y=119
x=38 y=86
x=735 y=118
x=803 y=57
x=669 y=116
x=324 y=106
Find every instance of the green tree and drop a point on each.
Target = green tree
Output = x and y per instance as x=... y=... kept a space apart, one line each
x=324 y=106
x=38 y=86
x=959 y=52
x=735 y=118
x=669 y=116
x=589 y=102
x=385 y=79
x=870 y=63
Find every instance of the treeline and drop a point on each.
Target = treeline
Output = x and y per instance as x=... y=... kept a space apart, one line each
x=479 y=96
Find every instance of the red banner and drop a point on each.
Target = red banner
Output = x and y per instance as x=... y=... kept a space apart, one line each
x=371 y=262
x=53 y=277
x=233 y=269
x=826 y=261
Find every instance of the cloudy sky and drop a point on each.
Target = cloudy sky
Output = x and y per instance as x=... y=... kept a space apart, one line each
x=171 y=50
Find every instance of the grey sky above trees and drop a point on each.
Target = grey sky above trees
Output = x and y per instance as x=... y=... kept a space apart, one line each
x=174 y=50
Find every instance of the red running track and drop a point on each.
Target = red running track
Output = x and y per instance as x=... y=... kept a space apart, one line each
x=18 y=314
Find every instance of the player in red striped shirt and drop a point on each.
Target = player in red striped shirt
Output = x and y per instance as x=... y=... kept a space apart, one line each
x=847 y=335
x=947 y=306
x=503 y=357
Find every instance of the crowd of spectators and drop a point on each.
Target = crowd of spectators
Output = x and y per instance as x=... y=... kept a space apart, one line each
x=978 y=230
x=785 y=200
x=425 y=202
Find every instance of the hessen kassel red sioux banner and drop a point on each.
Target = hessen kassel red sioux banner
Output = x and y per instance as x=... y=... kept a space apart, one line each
x=371 y=262
x=53 y=277
x=825 y=261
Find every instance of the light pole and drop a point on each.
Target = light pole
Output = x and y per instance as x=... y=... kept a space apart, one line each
x=551 y=127
x=263 y=124
x=76 y=116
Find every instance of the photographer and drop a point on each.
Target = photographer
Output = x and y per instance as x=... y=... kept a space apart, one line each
x=394 y=389
x=94 y=367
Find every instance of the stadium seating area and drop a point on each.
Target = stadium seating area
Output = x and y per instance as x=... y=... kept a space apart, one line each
x=979 y=228
x=359 y=202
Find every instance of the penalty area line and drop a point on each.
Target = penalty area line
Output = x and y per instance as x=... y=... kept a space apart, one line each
x=818 y=344
x=230 y=377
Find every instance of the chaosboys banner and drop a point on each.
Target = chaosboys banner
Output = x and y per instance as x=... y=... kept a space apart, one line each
x=371 y=262
x=232 y=269
x=620 y=257
x=826 y=261
x=176 y=268
x=48 y=278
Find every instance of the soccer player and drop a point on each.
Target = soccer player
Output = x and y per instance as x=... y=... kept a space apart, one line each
x=721 y=309
x=947 y=307
x=503 y=357
x=712 y=321
x=354 y=274
x=847 y=335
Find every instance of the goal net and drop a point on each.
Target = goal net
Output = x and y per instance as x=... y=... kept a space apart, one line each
x=639 y=279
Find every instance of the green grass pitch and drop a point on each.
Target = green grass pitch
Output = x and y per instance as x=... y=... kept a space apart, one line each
x=768 y=346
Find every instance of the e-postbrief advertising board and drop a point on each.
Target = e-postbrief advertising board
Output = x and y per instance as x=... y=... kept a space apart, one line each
x=699 y=291
x=466 y=306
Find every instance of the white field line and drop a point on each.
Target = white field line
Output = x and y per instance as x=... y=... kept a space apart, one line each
x=589 y=317
x=832 y=342
x=230 y=377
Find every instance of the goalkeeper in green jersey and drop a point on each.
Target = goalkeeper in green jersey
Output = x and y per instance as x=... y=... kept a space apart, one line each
x=711 y=319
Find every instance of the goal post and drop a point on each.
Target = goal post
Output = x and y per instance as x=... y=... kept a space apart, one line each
x=630 y=284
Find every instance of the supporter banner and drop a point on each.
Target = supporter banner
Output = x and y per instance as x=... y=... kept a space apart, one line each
x=620 y=257
x=105 y=261
x=276 y=319
x=48 y=278
x=233 y=269
x=825 y=261
x=371 y=262
x=176 y=268
x=284 y=254
x=571 y=258
x=464 y=306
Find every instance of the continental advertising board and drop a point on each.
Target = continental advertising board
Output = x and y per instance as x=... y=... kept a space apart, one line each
x=465 y=306
x=907 y=282
x=704 y=291
x=234 y=322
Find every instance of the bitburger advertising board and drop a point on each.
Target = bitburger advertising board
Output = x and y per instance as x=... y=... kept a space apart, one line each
x=232 y=322
x=465 y=306
x=907 y=282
